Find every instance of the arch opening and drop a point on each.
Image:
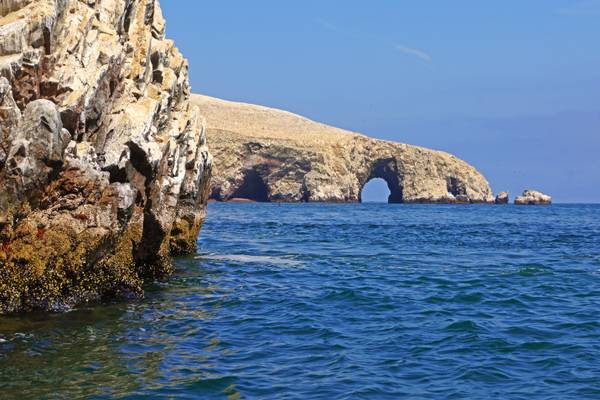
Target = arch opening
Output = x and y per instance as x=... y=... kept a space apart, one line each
x=253 y=188
x=375 y=190
x=386 y=170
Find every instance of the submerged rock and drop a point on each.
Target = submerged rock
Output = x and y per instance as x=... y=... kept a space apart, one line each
x=502 y=198
x=532 y=197
x=103 y=159
x=265 y=154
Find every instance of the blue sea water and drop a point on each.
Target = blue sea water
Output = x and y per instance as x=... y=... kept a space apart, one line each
x=314 y=301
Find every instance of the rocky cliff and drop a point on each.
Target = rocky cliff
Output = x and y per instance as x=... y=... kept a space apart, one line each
x=270 y=155
x=103 y=163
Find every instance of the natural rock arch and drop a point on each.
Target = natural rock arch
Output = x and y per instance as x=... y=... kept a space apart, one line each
x=386 y=169
x=302 y=160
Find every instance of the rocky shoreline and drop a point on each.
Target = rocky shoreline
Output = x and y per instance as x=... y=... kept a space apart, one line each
x=103 y=159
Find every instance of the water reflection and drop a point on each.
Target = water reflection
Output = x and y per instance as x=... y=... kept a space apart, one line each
x=155 y=346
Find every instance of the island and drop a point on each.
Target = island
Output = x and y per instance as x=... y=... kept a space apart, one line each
x=264 y=154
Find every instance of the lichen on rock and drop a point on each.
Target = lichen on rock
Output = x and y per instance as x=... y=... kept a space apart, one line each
x=103 y=159
x=270 y=155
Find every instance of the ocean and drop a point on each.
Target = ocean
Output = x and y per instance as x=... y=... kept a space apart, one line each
x=353 y=301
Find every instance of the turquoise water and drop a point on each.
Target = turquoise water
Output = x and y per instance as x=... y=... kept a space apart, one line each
x=341 y=302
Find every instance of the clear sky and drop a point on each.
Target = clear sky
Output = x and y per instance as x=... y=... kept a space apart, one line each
x=511 y=86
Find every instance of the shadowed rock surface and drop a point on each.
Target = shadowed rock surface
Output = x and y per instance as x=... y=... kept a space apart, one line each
x=265 y=154
x=502 y=198
x=532 y=198
x=103 y=160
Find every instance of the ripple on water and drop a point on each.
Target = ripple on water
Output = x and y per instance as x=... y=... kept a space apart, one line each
x=340 y=302
x=463 y=326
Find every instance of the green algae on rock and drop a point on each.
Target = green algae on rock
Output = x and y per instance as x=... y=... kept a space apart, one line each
x=103 y=159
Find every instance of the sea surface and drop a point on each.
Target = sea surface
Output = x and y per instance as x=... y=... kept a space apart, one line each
x=314 y=301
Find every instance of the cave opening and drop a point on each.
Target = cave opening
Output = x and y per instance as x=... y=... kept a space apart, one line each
x=253 y=188
x=456 y=187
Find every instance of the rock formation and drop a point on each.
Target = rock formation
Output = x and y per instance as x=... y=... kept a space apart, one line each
x=502 y=198
x=103 y=163
x=533 y=197
x=270 y=155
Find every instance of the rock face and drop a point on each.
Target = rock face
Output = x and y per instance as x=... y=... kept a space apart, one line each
x=270 y=155
x=502 y=198
x=532 y=197
x=104 y=167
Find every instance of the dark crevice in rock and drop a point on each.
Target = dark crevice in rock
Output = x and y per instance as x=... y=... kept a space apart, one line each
x=127 y=18
x=117 y=175
x=157 y=76
x=26 y=85
x=71 y=122
x=456 y=186
x=47 y=40
x=113 y=86
x=154 y=59
x=253 y=188
x=458 y=189
x=148 y=253
x=305 y=193
x=149 y=13
x=139 y=161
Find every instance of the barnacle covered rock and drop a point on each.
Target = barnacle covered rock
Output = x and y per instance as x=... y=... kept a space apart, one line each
x=104 y=167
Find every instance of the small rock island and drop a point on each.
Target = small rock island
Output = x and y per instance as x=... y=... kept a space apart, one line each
x=502 y=198
x=533 y=197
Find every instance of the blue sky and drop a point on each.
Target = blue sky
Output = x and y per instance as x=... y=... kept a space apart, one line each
x=511 y=86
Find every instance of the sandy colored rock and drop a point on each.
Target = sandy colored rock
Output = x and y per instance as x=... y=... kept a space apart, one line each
x=502 y=198
x=533 y=197
x=103 y=158
x=272 y=155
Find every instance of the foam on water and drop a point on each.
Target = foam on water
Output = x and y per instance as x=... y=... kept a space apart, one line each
x=244 y=258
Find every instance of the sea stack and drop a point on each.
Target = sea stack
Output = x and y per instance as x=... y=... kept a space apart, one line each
x=533 y=197
x=502 y=198
x=104 y=167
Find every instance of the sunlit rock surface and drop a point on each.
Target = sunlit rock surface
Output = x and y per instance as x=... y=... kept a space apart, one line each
x=103 y=162
x=270 y=155
x=533 y=197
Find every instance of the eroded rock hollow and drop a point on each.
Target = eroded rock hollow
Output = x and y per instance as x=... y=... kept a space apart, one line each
x=264 y=154
x=104 y=167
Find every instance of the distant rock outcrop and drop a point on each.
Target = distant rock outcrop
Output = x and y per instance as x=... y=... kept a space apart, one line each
x=502 y=198
x=532 y=197
x=103 y=163
x=265 y=154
